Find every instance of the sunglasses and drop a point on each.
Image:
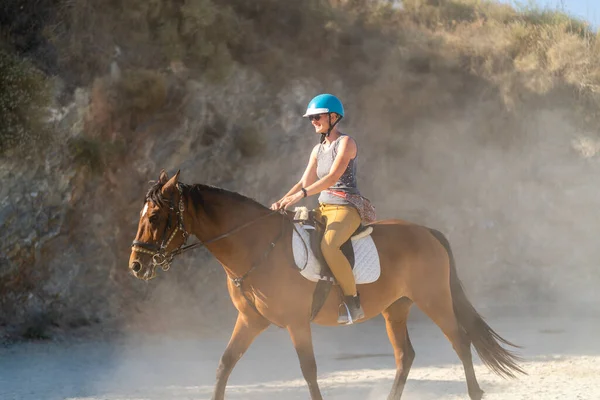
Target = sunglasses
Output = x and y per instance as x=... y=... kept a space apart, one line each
x=314 y=117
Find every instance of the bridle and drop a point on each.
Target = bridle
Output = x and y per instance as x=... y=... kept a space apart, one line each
x=160 y=257
x=163 y=258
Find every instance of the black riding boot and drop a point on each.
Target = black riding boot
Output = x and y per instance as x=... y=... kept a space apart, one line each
x=350 y=310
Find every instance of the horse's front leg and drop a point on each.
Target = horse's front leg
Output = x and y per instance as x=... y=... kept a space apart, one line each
x=247 y=327
x=302 y=338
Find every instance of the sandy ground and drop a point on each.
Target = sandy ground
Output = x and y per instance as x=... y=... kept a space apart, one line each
x=355 y=363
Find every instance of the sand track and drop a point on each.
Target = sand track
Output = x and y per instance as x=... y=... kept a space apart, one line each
x=355 y=363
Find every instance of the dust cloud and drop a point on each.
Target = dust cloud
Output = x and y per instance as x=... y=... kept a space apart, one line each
x=516 y=197
x=512 y=188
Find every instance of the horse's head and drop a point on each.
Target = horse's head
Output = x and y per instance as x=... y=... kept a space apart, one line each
x=161 y=229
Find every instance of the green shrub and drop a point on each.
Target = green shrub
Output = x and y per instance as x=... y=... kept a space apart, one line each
x=24 y=98
x=93 y=153
x=87 y=152
x=142 y=92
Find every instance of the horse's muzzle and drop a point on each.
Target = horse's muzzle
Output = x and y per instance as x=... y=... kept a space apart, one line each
x=140 y=272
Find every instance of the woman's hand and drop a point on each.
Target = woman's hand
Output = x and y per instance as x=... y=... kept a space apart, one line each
x=276 y=205
x=290 y=200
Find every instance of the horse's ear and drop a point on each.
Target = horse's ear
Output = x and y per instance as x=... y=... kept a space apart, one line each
x=163 y=177
x=171 y=184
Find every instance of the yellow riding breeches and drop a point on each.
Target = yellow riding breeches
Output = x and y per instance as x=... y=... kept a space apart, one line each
x=341 y=222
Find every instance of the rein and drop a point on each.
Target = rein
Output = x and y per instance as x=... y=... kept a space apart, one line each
x=231 y=232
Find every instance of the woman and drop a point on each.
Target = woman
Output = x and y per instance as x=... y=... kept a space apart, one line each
x=331 y=173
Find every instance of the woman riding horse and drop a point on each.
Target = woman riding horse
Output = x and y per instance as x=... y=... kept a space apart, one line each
x=331 y=173
x=254 y=246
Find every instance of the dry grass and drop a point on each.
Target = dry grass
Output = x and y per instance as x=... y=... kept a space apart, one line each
x=519 y=53
x=524 y=54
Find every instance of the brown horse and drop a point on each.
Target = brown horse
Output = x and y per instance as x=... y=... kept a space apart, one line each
x=254 y=245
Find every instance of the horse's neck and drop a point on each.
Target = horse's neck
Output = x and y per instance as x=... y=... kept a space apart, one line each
x=221 y=214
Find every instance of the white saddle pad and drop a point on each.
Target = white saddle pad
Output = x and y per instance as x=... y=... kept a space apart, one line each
x=366 y=264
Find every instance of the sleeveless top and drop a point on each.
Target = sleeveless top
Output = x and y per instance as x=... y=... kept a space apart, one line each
x=346 y=183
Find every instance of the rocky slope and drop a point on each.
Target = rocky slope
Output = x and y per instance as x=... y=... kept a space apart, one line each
x=455 y=128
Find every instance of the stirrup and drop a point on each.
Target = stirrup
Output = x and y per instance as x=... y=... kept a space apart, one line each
x=350 y=311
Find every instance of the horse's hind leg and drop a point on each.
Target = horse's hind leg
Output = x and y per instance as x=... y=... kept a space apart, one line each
x=396 y=316
x=302 y=339
x=440 y=310
x=245 y=331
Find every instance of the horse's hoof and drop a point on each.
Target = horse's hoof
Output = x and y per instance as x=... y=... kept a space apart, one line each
x=476 y=394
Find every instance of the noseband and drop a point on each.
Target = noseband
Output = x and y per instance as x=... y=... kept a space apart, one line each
x=160 y=257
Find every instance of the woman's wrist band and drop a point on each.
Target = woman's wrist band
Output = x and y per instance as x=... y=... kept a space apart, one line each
x=304 y=191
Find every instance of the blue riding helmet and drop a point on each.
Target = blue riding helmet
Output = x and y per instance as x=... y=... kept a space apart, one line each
x=324 y=104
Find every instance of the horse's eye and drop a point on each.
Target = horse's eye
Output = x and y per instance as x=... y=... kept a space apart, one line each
x=153 y=218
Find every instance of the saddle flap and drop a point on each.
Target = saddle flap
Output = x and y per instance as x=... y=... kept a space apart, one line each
x=308 y=257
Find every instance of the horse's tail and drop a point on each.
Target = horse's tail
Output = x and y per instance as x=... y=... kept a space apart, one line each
x=485 y=340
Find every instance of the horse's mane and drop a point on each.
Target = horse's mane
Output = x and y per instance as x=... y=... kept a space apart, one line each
x=196 y=193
